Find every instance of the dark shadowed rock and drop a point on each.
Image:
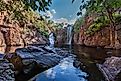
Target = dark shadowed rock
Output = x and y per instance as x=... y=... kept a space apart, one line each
x=15 y=60
x=44 y=57
x=6 y=70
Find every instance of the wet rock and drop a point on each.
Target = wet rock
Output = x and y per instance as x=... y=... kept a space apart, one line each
x=34 y=59
x=28 y=65
x=111 y=68
x=6 y=70
x=43 y=56
x=15 y=60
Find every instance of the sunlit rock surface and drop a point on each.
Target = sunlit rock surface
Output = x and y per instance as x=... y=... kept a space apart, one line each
x=15 y=34
x=100 y=38
x=111 y=68
x=61 y=36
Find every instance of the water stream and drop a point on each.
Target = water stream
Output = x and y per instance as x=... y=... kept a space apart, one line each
x=64 y=71
x=80 y=68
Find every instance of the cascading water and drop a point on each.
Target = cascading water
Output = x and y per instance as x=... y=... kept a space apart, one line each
x=69 y=34
x=51 y=39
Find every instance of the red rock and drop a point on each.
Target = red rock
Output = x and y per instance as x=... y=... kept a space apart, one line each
x=99 y=38
x=61 y=36
x=11 y=34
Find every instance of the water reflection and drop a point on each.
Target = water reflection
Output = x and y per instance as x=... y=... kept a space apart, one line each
x=95 y=54
x=65 y=71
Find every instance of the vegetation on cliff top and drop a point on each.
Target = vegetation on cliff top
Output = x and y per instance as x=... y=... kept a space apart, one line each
x=26 y=12
x=109 y=12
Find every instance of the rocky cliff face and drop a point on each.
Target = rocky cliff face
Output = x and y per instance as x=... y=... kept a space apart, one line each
x=13 y=34
x=61 y=36
x=32 y=35
x=99 y=38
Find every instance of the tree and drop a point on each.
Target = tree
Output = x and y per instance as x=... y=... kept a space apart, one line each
x=78 y=24
x=18 y=9
x=24 y=12
x=108 y=8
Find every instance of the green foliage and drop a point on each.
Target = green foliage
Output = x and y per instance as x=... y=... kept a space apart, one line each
x=108 y=13
x=98 y=5
x=59 y=25
x=18 y=9
x=94 y=28
x=40 y=5
x=78 y=24
x=117 y=18
x=98 y=24
x=25 y=12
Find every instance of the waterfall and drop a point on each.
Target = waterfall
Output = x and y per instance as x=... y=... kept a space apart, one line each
x=51 y=39
x=69 y=34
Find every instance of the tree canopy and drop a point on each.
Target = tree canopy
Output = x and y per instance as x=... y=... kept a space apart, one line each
x=108 y=11
x=19 y=10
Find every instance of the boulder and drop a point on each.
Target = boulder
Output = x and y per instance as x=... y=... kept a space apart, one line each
x=111 y=68
x=6 y=70
x=15 y=60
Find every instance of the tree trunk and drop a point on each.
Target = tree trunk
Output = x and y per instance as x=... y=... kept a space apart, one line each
x=113 y=32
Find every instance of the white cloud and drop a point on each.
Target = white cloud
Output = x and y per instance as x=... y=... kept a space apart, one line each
x=49 y=14
x=61 y=20
x=72 y=21
x=53 y=11
x=64 y=20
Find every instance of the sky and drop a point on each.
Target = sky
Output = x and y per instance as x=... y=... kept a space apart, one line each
x=64 y=10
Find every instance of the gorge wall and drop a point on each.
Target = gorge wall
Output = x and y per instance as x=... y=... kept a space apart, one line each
x=61 y=36
x=99 y=38
x=12 y=34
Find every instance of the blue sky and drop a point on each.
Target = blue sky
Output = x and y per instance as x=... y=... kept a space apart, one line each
x=64 y=10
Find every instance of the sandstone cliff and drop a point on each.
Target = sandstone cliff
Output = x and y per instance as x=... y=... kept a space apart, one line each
x=99 y=38
x=61 y=36
x=12 y=34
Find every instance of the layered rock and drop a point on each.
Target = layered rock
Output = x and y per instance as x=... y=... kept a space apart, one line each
x=32 y=35
x=11 y=34
x=37 y=59
x=111 y=68
x=61 y=36
x=99 y=38
x=6 y=70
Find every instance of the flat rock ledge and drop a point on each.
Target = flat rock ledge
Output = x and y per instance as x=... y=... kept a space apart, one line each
x=29 y=61
x=110 y=68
